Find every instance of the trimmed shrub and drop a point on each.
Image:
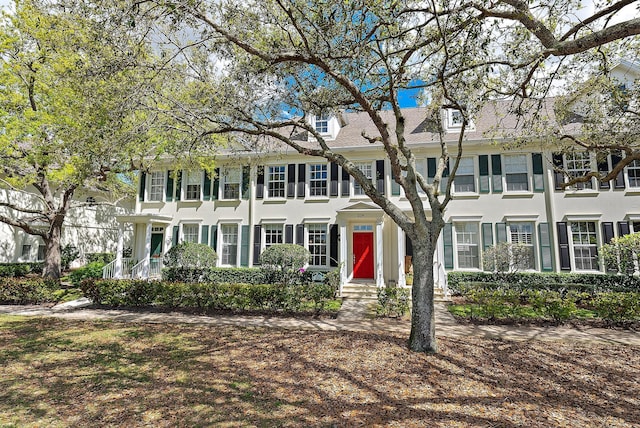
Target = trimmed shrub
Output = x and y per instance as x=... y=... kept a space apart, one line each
x=217 y=275
x=190 y=255
x=393 y=301
x=19 y=269
x=90 y=271
x=22 y=291
x=100 y=257
x=284 y=263
x=617 y=307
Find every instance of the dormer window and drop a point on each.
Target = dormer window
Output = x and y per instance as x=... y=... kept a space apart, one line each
x=322 y=123
x=455 y=119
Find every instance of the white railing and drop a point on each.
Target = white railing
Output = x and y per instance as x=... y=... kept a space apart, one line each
x=109 y=270
x=155 y=268
x=137 y=271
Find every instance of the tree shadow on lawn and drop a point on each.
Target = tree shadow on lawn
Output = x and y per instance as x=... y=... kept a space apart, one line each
x=105 y=373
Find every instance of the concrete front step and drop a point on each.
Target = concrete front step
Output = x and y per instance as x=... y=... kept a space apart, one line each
x=370 y=292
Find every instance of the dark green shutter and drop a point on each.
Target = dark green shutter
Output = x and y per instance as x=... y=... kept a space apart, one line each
x=257 y=243
x=623 y=228
x=178 y=186
x=216 y=184
x=291 y=180
x=447 y=238
x=300 y=235
x=408 y=246
x=174 y=236
x=395 y=187
x=546 y=255
x=603 y=169
x=168 y=191
x=288 y=234
x=483 y=164
x=302 y=176
x=345 y=183
x=206 y=187
x=496 y=173
x=333 y=245
x=487 y=241
x=563 y=246
x=380 y=176
x=246 y=176
x=143 y=186
x=431 y=168
x=333 y=191
x=204 y=234
x=558 y=167
x=619 y=180
x=607 y=232
x=501 y=232
x=213 y=241
x=260 y=183
x=538 y=172
x=244 y=246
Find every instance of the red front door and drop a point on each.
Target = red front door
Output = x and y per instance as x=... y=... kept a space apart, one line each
x=363 y=255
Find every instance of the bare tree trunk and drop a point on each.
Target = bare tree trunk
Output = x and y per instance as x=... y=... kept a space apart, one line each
x=53 y=253
x=423 y=332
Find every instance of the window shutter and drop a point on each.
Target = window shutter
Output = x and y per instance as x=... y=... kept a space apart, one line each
x=333 y=245
x=291 y=180
x=257 y=246
x=447 y=238
x=607 y=232
x=380 y=176
x=143 y=185
x=501 y=232
x=206 y=187
x=216 y=184
x=395 y=187
x=619 y=181
x=174 y=236
x=288 y=234
x=483 y=166
x=487 y=241
x=168 y=190
x=244 y=246
x=546 y=255
x=260 y=183
x=558 y=176
x=623 y=228
x=333 y=191
x=213 y=242
x=603 y=169
x=431 y=168
x=408 y=246
x=496 y=173
x=204 y=235
x=300 y=235
x=345 y=183
x=246 y=176
x=301 y=179
x=178 y=186
x=538 y=172
x=563 y=246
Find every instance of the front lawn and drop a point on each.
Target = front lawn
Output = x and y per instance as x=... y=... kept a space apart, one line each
x=73 y=373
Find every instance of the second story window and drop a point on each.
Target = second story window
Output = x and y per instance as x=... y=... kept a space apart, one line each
x=367 y=170
x=277 y=181
x=193 y=184
x=465 y=176
x=577 y=165
x=156 y=186
x=516 y=173
x=318 y=180
x=322 y=123
x=231 y=183
x=633 y=173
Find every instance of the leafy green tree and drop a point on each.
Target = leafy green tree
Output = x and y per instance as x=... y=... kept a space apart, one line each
x=285 y=61
x=621 y=254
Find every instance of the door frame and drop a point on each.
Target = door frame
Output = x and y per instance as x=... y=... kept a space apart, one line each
x=372 y=267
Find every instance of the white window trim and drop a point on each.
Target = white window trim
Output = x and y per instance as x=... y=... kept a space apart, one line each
x=222 y=180
x=267 y=180
x=450 y=126
x=308 y=181
x=315 y=121
x=598 y=244
x=220 y=243
x=162 y=190
x=185 y=183
x=263 y=232
x=476 y=176
x=455 y=246
x=354 y=183
x=593 y=165
x=327 y=249
x=528 y=160
x=188 y=223
x=533 y=241
x=627 y=181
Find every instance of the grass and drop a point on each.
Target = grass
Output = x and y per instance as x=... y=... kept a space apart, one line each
x=509 y=312
x=79 y=373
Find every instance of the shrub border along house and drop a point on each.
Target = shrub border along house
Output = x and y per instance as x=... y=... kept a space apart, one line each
x=555 y=297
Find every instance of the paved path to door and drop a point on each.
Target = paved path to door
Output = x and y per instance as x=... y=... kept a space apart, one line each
x=446 y=325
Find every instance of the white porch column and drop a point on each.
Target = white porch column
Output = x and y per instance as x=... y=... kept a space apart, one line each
x=147 y=252
x=379 y=251
x=439 y=274
x=343 y=255
x=402 y=280
x=117 y=272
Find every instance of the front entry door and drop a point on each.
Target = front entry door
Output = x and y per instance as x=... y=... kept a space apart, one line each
x=156 y=244
x=363 y=255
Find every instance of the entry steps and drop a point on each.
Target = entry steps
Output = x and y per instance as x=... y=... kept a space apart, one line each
x=369 y=291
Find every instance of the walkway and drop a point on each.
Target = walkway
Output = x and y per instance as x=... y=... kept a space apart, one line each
x=446 y=325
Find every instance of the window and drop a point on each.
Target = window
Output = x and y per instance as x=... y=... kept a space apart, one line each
x=577 y=165
x=322 y=123
x=633 y=173
x=585 y=245
x=317 y=235
x=91 y=201
x=26 y=251
x=521 y=234
x=465 y=177
x=367 y=170
x=231 y=183
x=190 y=233
x=272 y=235
x=318 y=180
x=277 y=181
x=455 y=119
x=229 y=234
x=467 y=245
x=516 y=173
x=193 y=184
x=41 y=251
x=156 y=186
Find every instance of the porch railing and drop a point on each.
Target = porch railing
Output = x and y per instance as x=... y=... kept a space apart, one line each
x=137 y=271
x=109 y=270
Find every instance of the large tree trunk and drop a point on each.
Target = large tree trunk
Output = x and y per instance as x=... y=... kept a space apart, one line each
x=423 y=331
x=52 y=253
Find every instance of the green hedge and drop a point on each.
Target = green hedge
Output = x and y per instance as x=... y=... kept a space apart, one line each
x=19 y=269
x=24 y=291
x=232 y=275
x=91 y=270
x=583 y=282
x=209 y=296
